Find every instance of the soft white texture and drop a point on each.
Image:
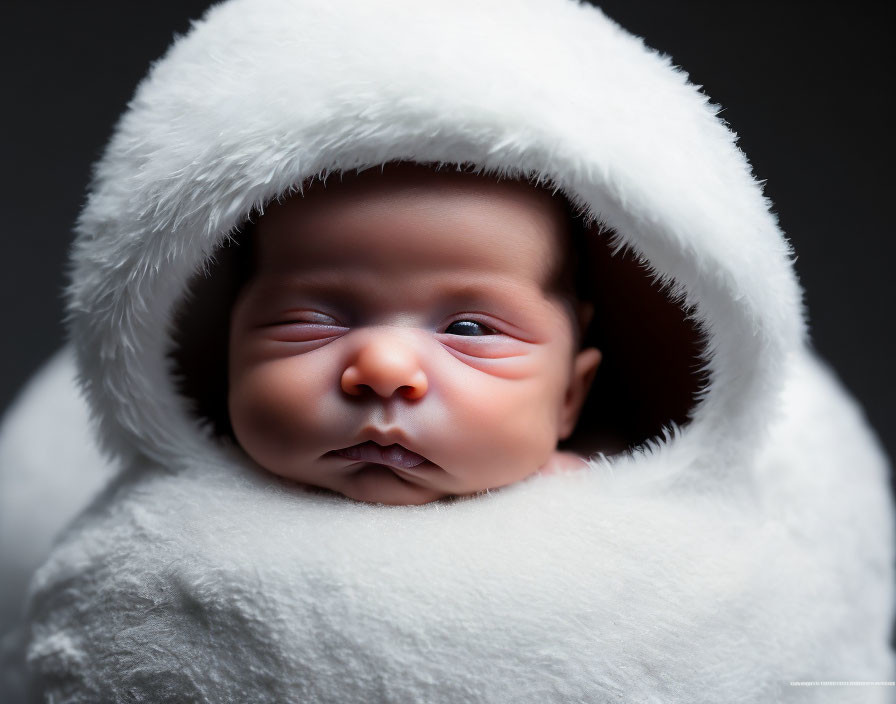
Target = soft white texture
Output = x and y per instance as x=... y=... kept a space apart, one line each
x=750 y=548
x=50 y=468
x=44 y=430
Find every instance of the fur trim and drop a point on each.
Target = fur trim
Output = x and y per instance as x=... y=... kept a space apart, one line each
x=188 y=164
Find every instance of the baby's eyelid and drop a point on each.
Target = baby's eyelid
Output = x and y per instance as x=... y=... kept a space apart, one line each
x=307 y=317
x=487 y=328
x=500 y=326
x=492 y=327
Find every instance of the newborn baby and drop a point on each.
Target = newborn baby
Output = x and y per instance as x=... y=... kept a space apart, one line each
x=407 y=335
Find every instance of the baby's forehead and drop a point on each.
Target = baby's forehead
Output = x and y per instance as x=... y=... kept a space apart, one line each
x=412 y=216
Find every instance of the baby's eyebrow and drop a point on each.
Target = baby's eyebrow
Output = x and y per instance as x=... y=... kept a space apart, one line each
x=333 y=287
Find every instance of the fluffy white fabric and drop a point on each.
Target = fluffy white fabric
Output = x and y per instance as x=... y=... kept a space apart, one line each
x=50 y=468
x=45 y=429
x=748 y=549
x=220 y=585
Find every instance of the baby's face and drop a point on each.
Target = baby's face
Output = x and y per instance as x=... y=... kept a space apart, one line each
x=398 y=341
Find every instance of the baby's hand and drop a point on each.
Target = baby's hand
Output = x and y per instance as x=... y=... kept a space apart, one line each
x=562 y=461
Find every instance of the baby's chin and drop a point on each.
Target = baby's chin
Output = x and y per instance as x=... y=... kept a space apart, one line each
x=377 y=484
x=380 y=485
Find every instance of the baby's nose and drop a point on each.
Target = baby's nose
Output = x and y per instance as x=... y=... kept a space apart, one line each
x=385 y=366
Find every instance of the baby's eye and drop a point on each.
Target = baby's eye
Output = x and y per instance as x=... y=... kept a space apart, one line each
x=468 y=328
x=309 y=318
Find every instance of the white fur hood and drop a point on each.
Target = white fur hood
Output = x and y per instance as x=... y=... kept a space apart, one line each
x=264 y=94
x=723 y=558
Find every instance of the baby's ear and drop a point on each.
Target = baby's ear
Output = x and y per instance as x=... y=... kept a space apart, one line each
x=584 y=368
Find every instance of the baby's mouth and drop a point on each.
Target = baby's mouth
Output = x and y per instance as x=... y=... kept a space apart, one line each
x=392 y=456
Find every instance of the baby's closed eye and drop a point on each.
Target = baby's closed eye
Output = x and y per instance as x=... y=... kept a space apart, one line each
x=306 y=317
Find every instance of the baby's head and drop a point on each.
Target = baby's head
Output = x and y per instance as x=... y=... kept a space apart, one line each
x=408 y=334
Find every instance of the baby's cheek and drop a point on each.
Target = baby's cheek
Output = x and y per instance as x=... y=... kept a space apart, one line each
x=268 y=408
x=503 y=430
x=530 y=434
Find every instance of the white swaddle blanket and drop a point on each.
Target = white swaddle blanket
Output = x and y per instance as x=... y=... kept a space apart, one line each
x=724 y=556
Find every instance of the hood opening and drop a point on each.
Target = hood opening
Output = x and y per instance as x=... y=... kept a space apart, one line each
x=642 y=150
x=653 y=372
x=200 y=335
x=650 y=378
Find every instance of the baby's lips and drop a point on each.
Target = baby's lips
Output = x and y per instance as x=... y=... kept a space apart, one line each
x=392 y=456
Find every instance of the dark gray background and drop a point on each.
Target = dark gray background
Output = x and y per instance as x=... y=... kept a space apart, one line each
x=808 y=86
